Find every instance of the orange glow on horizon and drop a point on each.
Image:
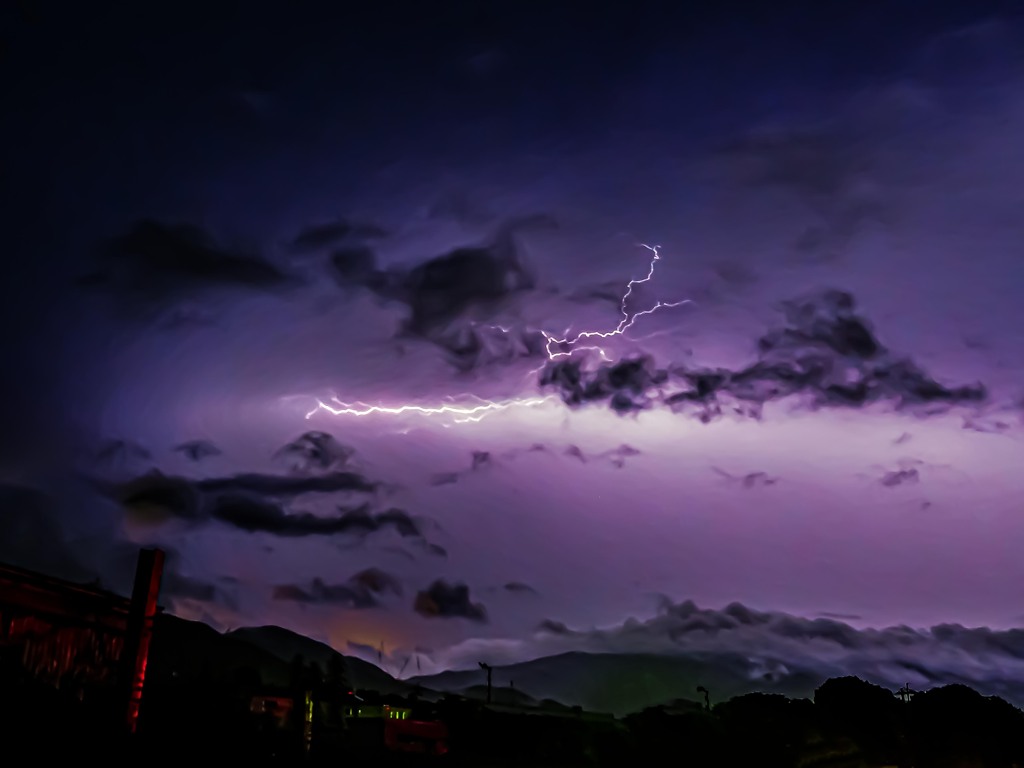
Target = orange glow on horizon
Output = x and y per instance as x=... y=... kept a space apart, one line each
x=372 y=631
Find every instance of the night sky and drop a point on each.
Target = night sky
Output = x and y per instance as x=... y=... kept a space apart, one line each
x=220 y=224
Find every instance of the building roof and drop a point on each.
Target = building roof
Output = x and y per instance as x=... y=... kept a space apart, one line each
x=40 y=594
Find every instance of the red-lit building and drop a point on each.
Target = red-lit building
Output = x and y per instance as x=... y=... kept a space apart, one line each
x=80 y=638
x=391 y=723
x=369 y=725
x=417 y=736
x=276 y=706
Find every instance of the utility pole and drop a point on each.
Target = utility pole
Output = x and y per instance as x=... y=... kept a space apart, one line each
x=139 y=630
x=488 y=669
x=707 y=697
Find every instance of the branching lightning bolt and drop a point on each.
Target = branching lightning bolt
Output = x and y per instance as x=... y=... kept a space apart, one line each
x=554 y=348
x=625 y=323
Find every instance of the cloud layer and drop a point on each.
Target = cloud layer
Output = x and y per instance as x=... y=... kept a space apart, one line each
x=154 y=265
x=443 y=600
x=779 y=651
x=826 y=354
x=361 y=590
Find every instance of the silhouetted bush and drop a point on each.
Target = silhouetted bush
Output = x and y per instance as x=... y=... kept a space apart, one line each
x=869 y=714
x=954 y=722
x=698 y=738
x=768 y=730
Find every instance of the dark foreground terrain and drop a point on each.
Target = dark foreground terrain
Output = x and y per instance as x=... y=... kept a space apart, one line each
x=848 y=723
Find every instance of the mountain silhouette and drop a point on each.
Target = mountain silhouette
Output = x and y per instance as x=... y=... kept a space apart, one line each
x=190 y=650
x=623 y=683
x=284 y=645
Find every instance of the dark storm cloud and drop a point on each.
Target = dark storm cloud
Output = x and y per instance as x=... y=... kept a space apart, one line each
x=253 y=503
x=991 y=661
x=197 y=450
x=749 y=480
x=617 y=456
x=156 y=498
x=472 y=346
x=444 y=600
x=825 y=353
x=155 y=265
x=258 y=515
x=897 y=477
x=840 y=616
x=446 y=287
x=315 y=451
x=479 y=460
x=609 y=291
x=553 y=627
x=626 y=386
x=448 y=296
x=484 y=460
x=987 y=425
x=362 y=590
x=182 y=497
x=906 y=472
x=445 y=478
x=378 y=581
x=322 y=236
x=514 y=588
x=575 y=452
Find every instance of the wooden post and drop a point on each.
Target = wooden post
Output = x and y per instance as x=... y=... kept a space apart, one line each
x=139 y=631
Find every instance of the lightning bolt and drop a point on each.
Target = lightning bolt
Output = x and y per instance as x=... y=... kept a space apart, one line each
x=554 y=348
x=467 y=413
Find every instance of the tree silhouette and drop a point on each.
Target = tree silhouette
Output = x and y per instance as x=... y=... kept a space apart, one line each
x=956 y=722
x=315 y=676
x=335 y=690
x=246 y=679
x=869 y=713
x=299 y=680
x=772 y=727
x=297 y=672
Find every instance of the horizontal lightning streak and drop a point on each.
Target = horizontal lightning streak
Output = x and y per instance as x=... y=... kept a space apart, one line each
x=472 y=413
x=554 y=348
